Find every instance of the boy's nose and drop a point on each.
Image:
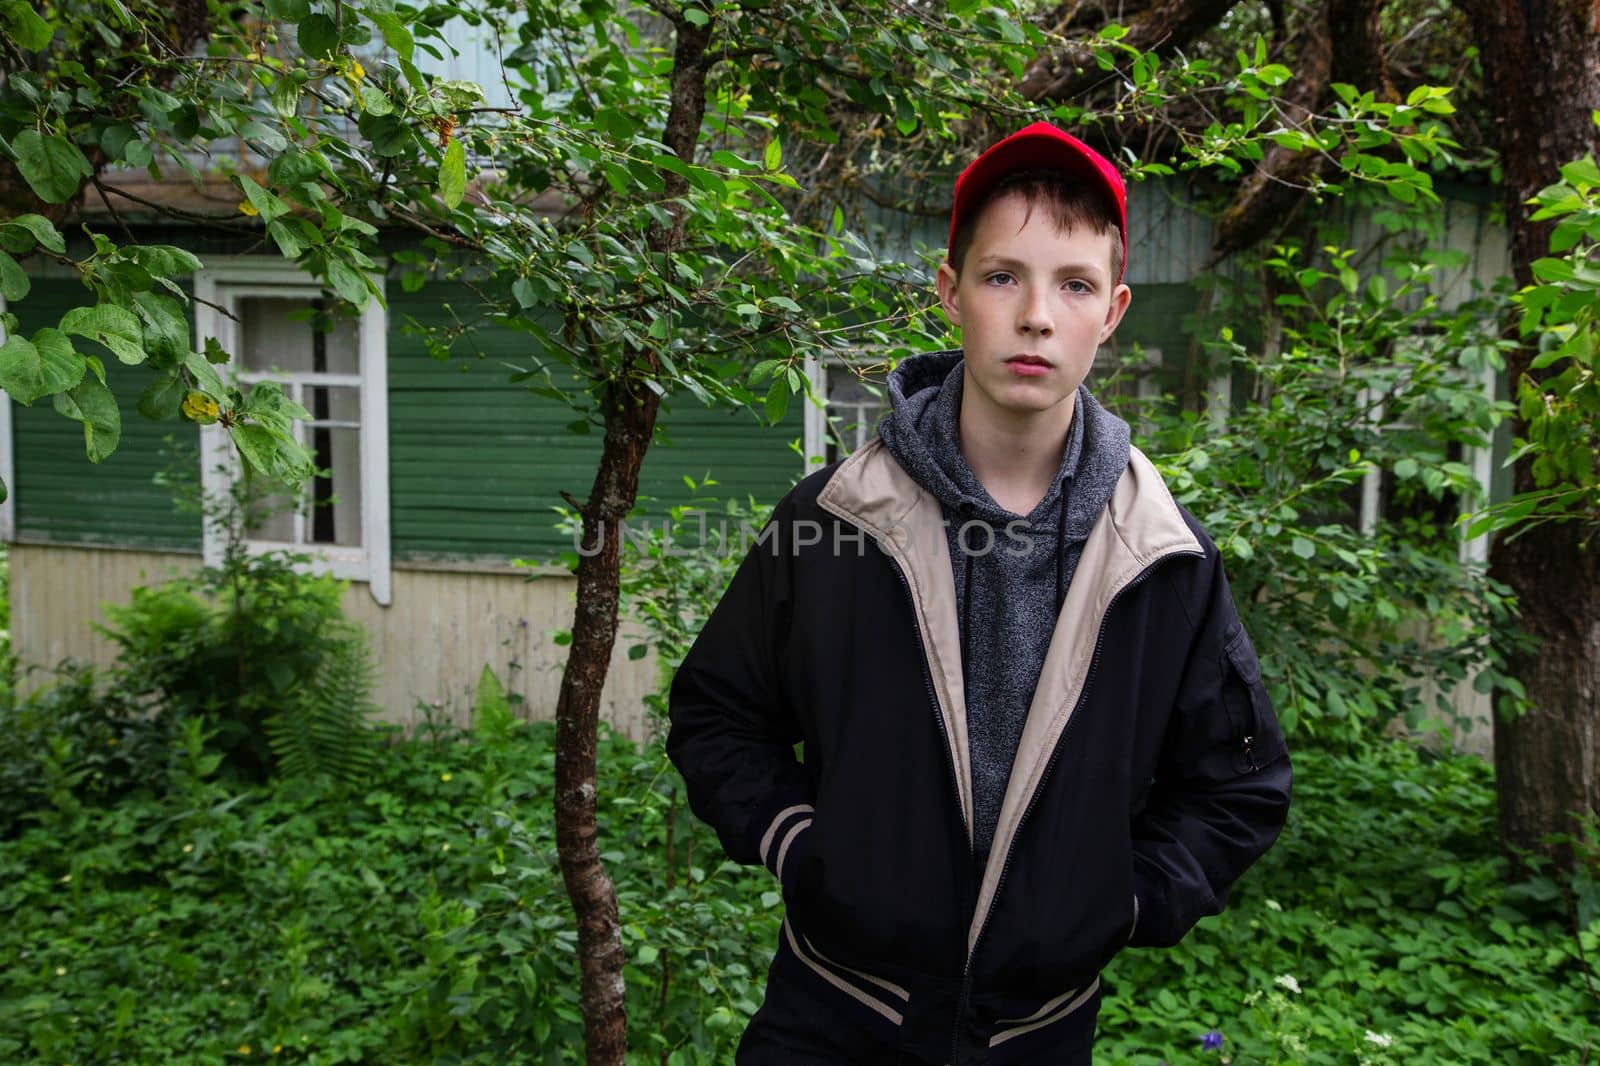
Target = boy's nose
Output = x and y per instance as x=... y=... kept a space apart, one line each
x=1035 y=316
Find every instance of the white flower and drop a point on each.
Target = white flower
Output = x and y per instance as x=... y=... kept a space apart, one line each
x=1287 y=981
x=1274 y=905
x=1381 y=1039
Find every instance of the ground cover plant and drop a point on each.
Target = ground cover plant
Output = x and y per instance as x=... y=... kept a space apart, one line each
x=420 y=918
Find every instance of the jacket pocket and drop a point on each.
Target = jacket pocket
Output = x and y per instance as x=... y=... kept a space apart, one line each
x=882 y=997
x=1256 y=736
x=1054 y=1011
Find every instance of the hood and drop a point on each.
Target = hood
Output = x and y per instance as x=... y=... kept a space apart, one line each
x=921 y=432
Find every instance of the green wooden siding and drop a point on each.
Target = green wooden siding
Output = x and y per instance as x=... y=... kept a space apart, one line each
x=60 y=495
x=477 y=464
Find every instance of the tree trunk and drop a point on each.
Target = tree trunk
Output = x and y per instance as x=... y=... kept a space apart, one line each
x=1541 y=65
x=630 y=421
x=630 y=408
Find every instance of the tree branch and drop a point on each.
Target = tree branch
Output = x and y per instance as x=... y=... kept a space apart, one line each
x=1163 y=28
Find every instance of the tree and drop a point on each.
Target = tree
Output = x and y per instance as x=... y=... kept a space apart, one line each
x=1541 y=64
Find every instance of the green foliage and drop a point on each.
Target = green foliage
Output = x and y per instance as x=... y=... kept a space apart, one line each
x=1380 y=929
x=258 y=651
x=1559 y=399
x=76 y=744
x=1354 y=375
x=321 y=731
x=675 y=571
x=422 y=919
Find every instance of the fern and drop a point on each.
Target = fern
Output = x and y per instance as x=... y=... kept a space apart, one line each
x=322 y=731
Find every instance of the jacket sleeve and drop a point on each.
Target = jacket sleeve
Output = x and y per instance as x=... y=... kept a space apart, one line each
x=732 y=732
x=1221 y=787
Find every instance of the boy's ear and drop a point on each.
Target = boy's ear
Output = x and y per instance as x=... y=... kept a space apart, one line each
x=1121 y=296
x=946 y=280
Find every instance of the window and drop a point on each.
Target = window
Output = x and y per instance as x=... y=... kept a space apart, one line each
x=335 y=367
x=853 y=403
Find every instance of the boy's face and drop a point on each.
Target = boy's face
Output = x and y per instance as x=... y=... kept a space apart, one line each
x=1033 y=304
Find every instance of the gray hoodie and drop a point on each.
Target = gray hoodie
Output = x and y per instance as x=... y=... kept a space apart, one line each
x=1012 y=578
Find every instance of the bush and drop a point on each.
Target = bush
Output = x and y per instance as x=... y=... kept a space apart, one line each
x=259 y=651
x=76 y=742
x=1357 y=375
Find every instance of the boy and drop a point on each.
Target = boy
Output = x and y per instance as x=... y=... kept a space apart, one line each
x=1033 y=727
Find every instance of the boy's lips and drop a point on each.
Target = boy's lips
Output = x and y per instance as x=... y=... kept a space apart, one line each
x=1029 y=365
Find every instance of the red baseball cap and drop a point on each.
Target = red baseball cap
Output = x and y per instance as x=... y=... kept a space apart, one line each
x=1040 y=145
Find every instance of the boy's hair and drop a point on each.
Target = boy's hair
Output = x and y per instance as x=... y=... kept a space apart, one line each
x=1072 y=204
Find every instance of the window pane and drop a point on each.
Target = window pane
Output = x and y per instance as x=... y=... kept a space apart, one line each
x=272 y=518
x=854 y=410
x=278 y=334
x=335 y=510
x=334 y=403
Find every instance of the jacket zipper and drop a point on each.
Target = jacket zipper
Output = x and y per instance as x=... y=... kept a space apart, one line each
x=950 y=762
x=1005 y=867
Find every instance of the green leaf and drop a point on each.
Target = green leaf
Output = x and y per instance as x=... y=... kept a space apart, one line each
x=53 y=166
x=112 y=325
x=522 y=290
x=1303 y=548
x=395 y=34
x=453 y=174
x=285 y=96
x=93 y=404
x=268 y=205
x=773 y=156
x=777 y=402
x=318 y=36
x=258 y=447
x=375 y=101
x=62 y=365
x=31 y=32
x=42 y=231
x=41 y=367
x=21 y=375
x=289 y=10
x=14 y=283
x=165 y=327
x=162 y=397
x=288 y=243
x=347 y=282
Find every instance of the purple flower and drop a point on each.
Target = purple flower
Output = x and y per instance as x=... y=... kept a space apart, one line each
x=1211 y=1041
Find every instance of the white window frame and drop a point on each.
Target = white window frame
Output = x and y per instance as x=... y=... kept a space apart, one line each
x=815 y=433
x=223 y=282
x=8 y=461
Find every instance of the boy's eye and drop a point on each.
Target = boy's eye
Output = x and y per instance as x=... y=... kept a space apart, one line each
x=1000 y=277
x=1078 y=285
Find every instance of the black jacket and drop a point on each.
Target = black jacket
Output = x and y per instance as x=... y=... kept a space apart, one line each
x=1151 y=771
